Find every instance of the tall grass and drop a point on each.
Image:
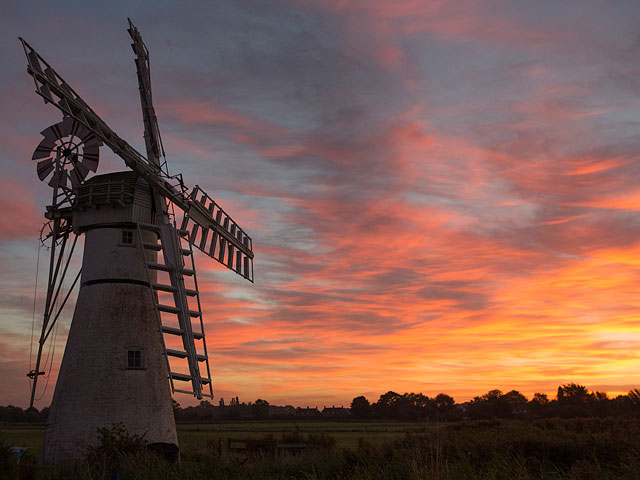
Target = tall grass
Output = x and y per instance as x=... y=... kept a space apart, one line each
x=580 y=449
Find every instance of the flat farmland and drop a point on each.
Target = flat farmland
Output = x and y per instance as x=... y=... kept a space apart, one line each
x=346 y=433
x=22 y=435
x=553 y=449
x=197 y=435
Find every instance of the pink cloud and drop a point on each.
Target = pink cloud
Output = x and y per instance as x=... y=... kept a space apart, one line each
x=387 y=24
x=213 y=113
x=22 y=217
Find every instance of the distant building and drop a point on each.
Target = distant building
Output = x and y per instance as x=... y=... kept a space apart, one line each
x=307 y=412
x=336 y=412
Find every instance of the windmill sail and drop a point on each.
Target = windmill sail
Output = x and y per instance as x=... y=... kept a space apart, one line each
x=208 y=239
x=53 y=89
x=152 y=138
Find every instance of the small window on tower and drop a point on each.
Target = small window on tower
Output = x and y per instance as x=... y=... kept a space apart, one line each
x=127 y=237
x=135 y=358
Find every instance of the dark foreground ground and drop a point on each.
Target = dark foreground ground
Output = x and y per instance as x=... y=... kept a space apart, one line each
x=580 y=449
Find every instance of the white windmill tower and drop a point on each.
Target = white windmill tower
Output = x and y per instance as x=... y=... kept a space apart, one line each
x=138 y=318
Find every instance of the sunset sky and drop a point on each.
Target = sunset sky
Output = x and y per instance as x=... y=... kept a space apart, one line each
x=443 y=196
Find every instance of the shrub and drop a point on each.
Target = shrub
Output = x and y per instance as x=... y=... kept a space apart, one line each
x=113 y=443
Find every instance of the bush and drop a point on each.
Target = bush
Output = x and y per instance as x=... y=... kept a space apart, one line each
x=113 y=443
x=293 y=437
x=321 y=440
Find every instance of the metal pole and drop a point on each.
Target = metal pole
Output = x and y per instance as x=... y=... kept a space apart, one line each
x=50 y=286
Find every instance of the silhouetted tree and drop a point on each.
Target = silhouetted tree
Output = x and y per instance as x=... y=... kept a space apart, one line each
x=491 y=404
x=540 y=398
x=599 y=404
x=360 y=407
x=572 y=400
x=634 y=398
x=260 y=409
x=415 y=406
x=32 y=415
x=11 y=413
x=387 y=405
x=623 y=405
x=444 y=405
x=538 y=405
x=573 y=394
x=517 y=403
x=44 y=414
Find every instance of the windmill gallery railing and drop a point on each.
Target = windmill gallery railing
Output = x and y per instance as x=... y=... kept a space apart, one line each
x=113 y=193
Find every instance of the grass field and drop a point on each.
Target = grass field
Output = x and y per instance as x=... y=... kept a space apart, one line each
x=196 y=435
x=550 y=449
x=346 y=434
x=29 y=436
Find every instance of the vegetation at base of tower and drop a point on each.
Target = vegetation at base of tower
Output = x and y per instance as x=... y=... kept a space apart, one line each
x=113 y=443
x=551 y=449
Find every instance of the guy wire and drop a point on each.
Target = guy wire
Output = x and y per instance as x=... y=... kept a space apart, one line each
x=33 y=318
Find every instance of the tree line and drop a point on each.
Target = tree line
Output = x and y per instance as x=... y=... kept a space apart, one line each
x=572 y=400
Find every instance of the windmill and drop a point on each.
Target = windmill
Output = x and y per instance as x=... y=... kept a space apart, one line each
x=138 y=317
